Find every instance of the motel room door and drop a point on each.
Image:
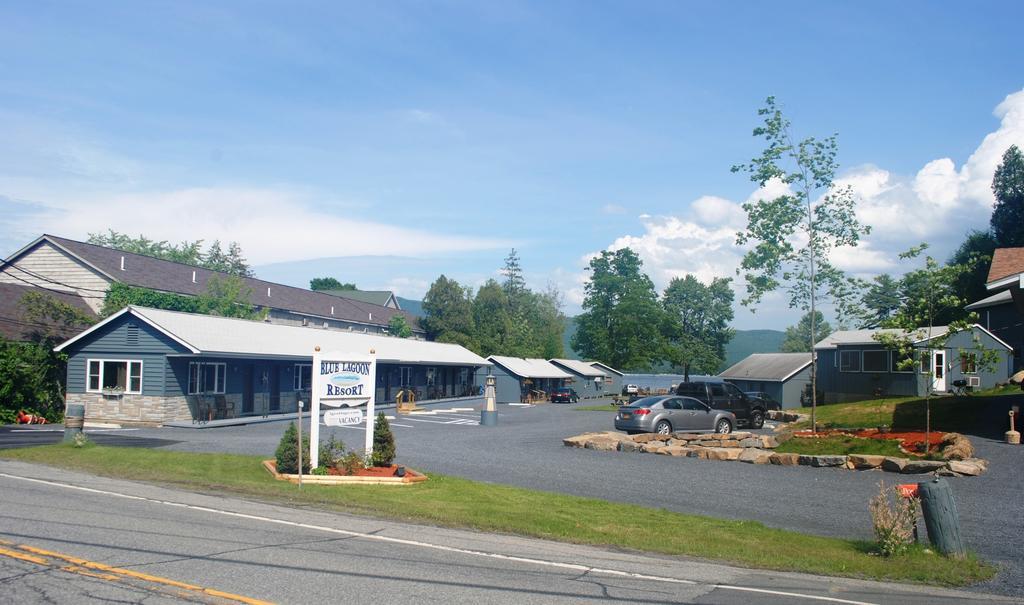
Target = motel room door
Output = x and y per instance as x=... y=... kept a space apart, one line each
x=247 y=389
x=939 y=371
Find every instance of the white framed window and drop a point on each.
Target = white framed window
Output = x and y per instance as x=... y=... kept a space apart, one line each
x=876 y=361
x=897 y=360
x=123 y=375
x=303 y=377
x=206 y=377
x=849 y=361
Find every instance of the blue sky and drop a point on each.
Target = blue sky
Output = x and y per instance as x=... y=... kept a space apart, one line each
x=386 y=143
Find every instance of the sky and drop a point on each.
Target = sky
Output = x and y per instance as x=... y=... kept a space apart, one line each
x=386 y=143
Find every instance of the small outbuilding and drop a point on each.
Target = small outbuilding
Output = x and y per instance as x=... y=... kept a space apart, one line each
x=782 y=376
x=588 y=380
x=150 y=366
x=523 y=380
x=613 y=378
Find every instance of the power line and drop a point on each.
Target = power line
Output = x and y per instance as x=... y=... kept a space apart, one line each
x=6 y=263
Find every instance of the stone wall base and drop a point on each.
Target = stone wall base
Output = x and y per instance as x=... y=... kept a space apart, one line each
x=143 y=410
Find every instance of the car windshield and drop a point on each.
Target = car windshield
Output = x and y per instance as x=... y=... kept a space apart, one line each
x=646 y=402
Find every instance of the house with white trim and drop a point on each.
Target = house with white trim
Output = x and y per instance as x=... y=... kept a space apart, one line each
x=783 y=376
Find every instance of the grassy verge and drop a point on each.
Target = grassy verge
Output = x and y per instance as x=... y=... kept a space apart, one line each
x=607 y=407
x=454 y=502
x=841 y=445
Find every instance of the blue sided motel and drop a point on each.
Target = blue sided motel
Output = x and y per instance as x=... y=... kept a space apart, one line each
x=149 y=366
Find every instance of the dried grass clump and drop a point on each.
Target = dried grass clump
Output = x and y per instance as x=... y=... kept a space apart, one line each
x=894 y=518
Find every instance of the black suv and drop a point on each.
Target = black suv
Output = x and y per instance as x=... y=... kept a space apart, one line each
x=749 y=411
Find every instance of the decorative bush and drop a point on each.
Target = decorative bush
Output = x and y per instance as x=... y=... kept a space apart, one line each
x=893 y=521
x=287 y=456
x=350 y=462
x=383 y=442
x=331 y=451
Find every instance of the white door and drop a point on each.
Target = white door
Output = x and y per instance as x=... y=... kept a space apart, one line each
x=939 y=371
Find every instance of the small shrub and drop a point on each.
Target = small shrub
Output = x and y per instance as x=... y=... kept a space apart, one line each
x=331 y=451
x=320 y=470
x=383 y=442
x=893 y=521
x=351 y=462
x=287 y=456
x=80 y=440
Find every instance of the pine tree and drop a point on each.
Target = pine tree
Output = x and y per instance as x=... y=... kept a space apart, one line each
x=383 y=442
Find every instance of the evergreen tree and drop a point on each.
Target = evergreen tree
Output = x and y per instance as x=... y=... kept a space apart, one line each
x=383 y=442
x=880 y=301
x=287 y=454
x=975 y=252
x=515 y=284
x=1008 y=186
x=798 y=337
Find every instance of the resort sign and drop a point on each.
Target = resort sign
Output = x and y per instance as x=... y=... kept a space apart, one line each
x=342 y=380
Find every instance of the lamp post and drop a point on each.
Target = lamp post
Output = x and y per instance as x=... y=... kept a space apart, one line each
x=489 y=415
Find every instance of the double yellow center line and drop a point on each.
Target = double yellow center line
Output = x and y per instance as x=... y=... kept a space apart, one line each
x=76 y=565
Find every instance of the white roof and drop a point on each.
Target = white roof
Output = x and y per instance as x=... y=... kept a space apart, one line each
x=604 y=366
x=579 y=367
x=865 y=337
x=770 y=367
x=209 y=335
x=528 y=368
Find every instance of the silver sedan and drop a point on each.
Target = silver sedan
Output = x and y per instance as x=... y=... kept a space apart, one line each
x=666 y=414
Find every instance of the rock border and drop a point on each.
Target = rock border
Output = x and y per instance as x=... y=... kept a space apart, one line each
x=757 y=449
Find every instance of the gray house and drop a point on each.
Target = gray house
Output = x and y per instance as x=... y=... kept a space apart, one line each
x=612 y=377
x=588 y=380
x=1002 y=313
x=783 y=376
x=149 y=366
x=520 y=380
x=852 y=365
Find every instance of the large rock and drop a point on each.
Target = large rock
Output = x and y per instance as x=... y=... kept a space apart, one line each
x=724 y=453
x=647 y=437
x=781 y=459
x=729 y=443
x=579 y=440
x=707 y=443
x=755 y=456
x=688 y=436
x=652 y=447
x=699 y=452
x=972 y=468
x=893 y=465
x=629 y=446
x=920 y=467
x=822 y=461
x=602 y=444
x=675 y=450
x=675 y=441
x=866 y=461
x=750 y=442
x=769 y=442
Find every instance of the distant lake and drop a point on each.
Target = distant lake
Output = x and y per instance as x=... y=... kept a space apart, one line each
x=658 y=381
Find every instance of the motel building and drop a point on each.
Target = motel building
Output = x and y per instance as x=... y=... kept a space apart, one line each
x=149 y=367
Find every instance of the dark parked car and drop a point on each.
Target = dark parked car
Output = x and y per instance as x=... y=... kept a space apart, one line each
x=564 y=395
x=726 y=396
x=664 y=414
x=769 y=401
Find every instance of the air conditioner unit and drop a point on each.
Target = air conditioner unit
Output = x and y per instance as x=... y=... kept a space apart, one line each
x=974 y=381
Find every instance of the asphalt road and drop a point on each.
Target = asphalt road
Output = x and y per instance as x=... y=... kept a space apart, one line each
x=525 y=449
x=69 y=537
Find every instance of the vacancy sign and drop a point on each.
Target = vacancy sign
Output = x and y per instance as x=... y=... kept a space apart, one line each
x=342 y=380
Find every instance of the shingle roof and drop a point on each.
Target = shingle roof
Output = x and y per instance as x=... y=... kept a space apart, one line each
x=210 y=335
x=865 y=337
x=169 y=276
x=769 y=366
x=1005 y=263
x=376 y=297
x=15 y=326
x=576 y=366
x=999 y=298
x=528 y=368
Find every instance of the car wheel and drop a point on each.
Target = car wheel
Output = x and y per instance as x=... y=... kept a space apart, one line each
x=723 y=426
x=664 y=427
x=756 y=419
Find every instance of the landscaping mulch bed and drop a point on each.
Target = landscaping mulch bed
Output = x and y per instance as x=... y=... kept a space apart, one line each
x=910 y=442
x=375 y=475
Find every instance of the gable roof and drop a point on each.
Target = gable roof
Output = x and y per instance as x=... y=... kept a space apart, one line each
x=15 y=326
x=769 y=366
x=375 y=297
x=865 y=337
x=1007 y=267
x=169 y=276
x=578 y=367
x=528 y=368
x=229 y=337
x=1003 y=297
x=605 y=368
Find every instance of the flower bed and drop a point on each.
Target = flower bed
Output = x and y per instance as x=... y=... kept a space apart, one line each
x=361 y=476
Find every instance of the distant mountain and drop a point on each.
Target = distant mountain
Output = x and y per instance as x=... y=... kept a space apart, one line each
x=747 y=342
x=412 y=306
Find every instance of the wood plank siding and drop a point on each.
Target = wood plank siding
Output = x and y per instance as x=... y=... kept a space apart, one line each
x=48 y=267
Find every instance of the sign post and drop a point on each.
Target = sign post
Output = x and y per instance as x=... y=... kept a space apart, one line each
x=342 y=380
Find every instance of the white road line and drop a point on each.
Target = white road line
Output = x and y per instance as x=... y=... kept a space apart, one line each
x=525 y=405
x=428 y=545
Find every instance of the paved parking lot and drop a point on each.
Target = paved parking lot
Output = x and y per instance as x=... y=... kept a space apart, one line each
x=525 y=449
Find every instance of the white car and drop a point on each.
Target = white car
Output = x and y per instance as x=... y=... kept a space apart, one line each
x=630 y=389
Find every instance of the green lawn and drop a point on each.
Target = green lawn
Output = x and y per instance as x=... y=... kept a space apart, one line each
x=607 y=407
x=841 y=445
x=454 y=502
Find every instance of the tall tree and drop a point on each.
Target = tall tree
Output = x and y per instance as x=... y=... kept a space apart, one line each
x=880 y=301
x=514 y=284
x=491 y=319
x=793 y=234
x=319 y=284
x=622 y=318
x=696 y=326
x=975 y=252
x=448 y=309
x=1008 y=187
x=798 y=337
x=398 y=326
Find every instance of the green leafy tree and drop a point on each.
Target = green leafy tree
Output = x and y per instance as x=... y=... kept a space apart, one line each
x=793 y=234
x=547 y=323
x=228 y=297
x=189 y=253
x=931 y=294
x=448 y=313
x=383 y=442
x=798 y=337
x=398 y=326
x=319 y=284
x=622 y=318
x=696 y=326
x=1008 y=186
x=491 y=320
x=121 y=295
x=975 y=252
x=880 y=301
